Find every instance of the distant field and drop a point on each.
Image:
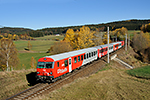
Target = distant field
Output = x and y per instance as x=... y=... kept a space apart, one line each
x=131 y=32
x=61 y=37
x=40 y=44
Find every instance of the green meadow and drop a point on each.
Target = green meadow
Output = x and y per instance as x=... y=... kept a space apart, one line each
x=39 y=48
x=141 y=72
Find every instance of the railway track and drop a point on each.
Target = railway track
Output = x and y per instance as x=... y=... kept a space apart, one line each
x=42 y=88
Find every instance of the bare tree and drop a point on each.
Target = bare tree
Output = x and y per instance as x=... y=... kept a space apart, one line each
x=8 y=53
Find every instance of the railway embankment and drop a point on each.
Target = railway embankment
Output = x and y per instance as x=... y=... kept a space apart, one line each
x=111 y=82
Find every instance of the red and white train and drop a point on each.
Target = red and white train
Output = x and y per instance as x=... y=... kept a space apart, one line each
x=50 y=68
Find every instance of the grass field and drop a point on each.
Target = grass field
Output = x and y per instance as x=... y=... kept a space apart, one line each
x=40 y=44
x=25 y=59
x=141 y=72
x=50 y=37
x=39 y=49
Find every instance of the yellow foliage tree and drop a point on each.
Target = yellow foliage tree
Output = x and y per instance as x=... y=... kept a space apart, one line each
x=70 y=37
x=33 y=63
x=141 y=41
x=105 y=38
x=85 y=38
x=80 y=39
x=29 y=45
x=10 y=36
x=120 y=32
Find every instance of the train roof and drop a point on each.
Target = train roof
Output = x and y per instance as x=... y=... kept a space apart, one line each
x=71 y=53
x=77 y=52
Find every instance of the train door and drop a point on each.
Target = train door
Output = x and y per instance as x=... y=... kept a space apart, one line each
x=70 y=65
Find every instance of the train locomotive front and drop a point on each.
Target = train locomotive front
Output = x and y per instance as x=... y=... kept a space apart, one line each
x=45 y=68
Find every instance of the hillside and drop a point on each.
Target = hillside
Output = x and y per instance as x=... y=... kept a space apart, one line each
x=133 y=24
x=112 y=82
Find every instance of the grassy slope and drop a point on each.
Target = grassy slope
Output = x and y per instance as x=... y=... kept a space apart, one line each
x=13 y=82
x=105 y=85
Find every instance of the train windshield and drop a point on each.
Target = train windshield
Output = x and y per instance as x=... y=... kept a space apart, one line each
x=45 y=65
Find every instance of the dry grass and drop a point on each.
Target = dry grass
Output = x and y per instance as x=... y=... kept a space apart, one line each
x=112 y=84
x=13 y=82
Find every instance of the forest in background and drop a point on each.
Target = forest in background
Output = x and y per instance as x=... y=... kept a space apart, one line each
x=133 y=24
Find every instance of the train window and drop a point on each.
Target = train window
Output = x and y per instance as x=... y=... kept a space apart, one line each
x=66 y=63
x=57 y=64
x=92 y=54
x=102 y=50
x=96 y=52
x=40 y=65
x=49 y=64
x=75 y=59
x=70 y=61
x=81 y=57
x=87 y=55
x=84 y=56
x=106 y=49
x=78 y=58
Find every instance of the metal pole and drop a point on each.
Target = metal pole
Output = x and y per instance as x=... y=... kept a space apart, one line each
x=108 y=42
x=126 y=43
x=128 y=40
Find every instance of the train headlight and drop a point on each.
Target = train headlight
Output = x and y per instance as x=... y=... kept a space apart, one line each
x=51 y=73
x=38 y=72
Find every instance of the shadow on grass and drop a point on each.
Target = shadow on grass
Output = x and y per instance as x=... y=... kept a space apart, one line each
x=31 y=78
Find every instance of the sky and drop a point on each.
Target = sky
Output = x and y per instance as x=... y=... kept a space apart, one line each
x=38 y=14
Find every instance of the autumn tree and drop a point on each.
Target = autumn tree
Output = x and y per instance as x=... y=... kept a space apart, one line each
x=70 y=37
x=80 y=39
x=8 y=53
x=29 y=45
x=10 y=36
x=85 y=38
x=145 y=28
x=33 y=63
x=141 y=41
x=120 y=33
x=60 y=47
x=105 y=38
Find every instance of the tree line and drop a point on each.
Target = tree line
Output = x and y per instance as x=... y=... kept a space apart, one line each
x=84 y=38
x=133 y=24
